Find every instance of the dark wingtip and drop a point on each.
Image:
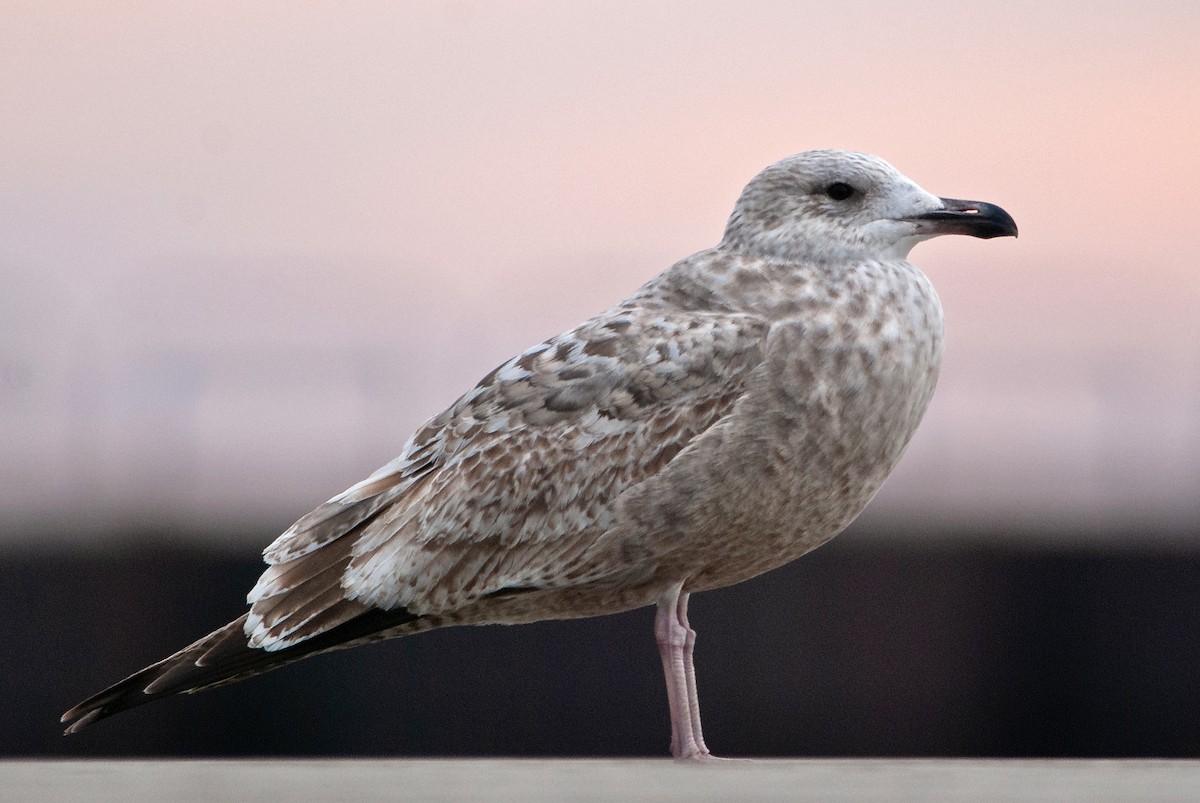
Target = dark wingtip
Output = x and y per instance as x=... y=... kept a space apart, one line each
x=222 y=657
x=82 y=718
x=136 y=689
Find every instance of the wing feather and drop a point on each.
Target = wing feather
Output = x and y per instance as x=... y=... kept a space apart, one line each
x=509 y=487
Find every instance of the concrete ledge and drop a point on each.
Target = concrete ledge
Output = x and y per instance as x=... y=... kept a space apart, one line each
x=557 y=780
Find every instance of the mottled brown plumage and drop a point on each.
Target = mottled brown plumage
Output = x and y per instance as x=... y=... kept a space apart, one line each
x=735 y=412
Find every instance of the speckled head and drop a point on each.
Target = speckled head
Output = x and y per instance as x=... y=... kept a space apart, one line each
x=830 y=206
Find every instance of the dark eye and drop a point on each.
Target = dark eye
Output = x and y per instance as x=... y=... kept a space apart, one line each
x=839 y=190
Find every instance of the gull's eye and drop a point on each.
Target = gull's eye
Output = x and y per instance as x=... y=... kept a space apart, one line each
x=839 y=190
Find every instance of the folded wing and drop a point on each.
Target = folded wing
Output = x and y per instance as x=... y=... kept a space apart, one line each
x=509 y=487
x=506 y=490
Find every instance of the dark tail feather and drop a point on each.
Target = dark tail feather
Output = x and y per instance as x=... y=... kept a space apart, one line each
x=222 y=657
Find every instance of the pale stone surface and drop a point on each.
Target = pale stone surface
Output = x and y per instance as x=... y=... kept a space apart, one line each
x=556 y=780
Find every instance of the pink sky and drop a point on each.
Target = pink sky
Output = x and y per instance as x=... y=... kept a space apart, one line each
x=247 y=247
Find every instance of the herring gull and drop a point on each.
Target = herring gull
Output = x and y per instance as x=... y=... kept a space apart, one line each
x=735 y=412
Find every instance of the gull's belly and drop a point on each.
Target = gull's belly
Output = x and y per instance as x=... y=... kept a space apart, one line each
x=824 y=420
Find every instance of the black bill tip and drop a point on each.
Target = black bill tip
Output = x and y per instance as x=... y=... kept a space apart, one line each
x=974 y=218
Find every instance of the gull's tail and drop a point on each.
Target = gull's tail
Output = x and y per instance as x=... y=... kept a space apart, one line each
x=224 y=656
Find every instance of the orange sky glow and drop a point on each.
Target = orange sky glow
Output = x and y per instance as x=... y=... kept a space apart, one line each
x=247 y=247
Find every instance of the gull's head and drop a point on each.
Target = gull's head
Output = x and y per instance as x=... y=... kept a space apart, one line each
x=837 y=205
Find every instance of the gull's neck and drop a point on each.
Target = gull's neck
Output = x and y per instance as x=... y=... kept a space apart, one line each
x=722 y=280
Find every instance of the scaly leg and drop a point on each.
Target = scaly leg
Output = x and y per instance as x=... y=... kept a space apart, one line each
x=676 y=642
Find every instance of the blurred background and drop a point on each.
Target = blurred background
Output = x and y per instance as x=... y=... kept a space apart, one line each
x=246 y=248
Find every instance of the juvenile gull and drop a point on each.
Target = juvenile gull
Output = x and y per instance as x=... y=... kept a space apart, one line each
x=735 y=412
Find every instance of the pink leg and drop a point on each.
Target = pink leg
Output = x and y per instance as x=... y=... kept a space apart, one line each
x=676 y=641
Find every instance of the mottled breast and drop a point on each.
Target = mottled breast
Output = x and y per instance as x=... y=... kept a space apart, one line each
x=846 y=377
